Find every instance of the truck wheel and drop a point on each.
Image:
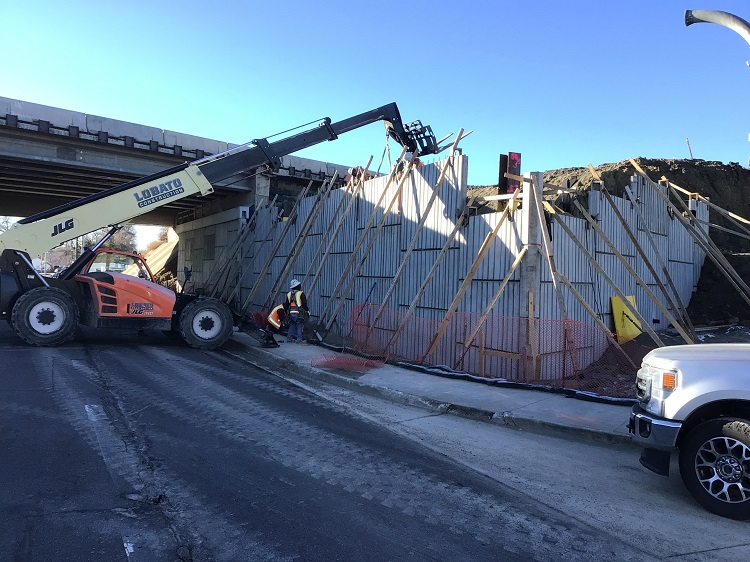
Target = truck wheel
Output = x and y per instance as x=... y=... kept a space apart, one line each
x=715 y=467
x=45 y=316
x=206 y=323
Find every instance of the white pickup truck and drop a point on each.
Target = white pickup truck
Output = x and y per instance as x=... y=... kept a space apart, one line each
x=695 y=399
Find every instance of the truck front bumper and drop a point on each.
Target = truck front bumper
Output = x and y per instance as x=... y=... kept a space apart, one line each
x=658 y=437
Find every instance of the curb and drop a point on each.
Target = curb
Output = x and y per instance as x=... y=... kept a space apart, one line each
x=507 y=419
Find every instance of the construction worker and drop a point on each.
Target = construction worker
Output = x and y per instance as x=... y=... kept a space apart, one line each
x=296 y=310
x=274 y=323
x=277 y=317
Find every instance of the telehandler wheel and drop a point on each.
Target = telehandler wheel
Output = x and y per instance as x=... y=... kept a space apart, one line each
x=45 y=316
x=206 y=323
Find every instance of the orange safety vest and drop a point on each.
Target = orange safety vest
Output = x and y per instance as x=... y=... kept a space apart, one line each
x=276 y=318
x=295 y=303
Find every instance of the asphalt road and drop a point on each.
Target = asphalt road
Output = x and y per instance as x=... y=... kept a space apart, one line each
x=126 y=446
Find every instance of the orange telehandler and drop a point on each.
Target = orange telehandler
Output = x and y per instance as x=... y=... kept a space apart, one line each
x=45 y=310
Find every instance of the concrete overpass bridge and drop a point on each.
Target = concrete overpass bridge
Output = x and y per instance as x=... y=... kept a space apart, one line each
x=51 y=156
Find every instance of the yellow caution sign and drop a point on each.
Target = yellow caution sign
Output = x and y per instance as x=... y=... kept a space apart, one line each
x=627 y=326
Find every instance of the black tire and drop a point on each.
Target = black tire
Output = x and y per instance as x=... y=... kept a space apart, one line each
x=715 y=467
x=45 y=316
x=206 y=323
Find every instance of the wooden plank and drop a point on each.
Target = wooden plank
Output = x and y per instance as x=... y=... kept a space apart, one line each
x=415 y=238
x=276 y=246
x=491 y=304
x=522 y=179
x=332 y=237
x=467 y=280
x=228 y=254
x=329 y=232
x=662 y=262
x=685 y=336
x=482 y=353
x=363 y=236
x=502 y=197
x=337 y=294
x=597 y=175
x=299 y=242
x=728 y=214
x=723 y=229
x=415 y=301
x=592 y=313
x=610 y=282
x=711 y=250
x=549 y=255
x=705 y=243
x=503 y=354
x=678 y=309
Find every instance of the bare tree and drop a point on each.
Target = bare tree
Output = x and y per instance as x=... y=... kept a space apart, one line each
x=6 y=223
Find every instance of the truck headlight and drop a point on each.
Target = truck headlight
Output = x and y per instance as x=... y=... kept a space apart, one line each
x=654 y=386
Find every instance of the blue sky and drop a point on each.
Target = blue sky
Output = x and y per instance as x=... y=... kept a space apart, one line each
x=564 y=83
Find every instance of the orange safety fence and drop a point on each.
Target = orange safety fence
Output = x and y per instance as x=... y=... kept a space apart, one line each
x=530 y=351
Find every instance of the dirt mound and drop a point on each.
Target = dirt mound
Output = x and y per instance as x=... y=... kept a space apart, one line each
x=716 y=300
x=716 y=308
x=725 y=185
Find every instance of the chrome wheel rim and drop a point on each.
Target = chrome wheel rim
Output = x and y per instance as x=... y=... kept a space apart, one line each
x=722 y=465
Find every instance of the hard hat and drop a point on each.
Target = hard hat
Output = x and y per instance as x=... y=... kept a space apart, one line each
x=294 y=284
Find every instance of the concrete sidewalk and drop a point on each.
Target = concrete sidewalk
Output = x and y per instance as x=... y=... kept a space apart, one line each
x=524 y=409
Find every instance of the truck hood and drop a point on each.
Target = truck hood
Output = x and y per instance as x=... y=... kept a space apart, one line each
x=673 y=355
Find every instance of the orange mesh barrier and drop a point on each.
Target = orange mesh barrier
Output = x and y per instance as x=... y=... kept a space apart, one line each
x=554 y=353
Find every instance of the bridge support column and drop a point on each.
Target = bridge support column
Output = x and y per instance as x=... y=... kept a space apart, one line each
x=262 y=189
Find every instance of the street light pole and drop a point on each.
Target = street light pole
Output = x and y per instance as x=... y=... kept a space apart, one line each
x=725 y=19
x=731 y=21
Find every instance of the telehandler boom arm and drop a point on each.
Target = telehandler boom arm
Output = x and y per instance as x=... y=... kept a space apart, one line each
x=41 y=232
